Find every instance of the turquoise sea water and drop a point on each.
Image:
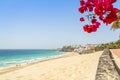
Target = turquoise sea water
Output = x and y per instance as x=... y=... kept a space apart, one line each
x=10 y=58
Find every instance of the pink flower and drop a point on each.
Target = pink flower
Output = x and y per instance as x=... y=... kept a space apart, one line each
x=90 y=8
x=82 y=9
x=103 y=9
x=82 y=19
x=93 y=21
x=94 y=28
x=82 y=2
x=97 y=24
x=85 y=28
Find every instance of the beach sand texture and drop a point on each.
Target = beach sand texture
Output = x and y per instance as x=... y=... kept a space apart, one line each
x=68 y=67
x=116 y=55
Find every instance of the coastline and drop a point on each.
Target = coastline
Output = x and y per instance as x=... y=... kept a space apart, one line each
x=15 y=57
x=23 y=65
x=71 y=66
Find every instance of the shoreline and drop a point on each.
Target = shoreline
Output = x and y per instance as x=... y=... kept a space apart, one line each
x=14 y=61
x=23 y=65
x=70 y=66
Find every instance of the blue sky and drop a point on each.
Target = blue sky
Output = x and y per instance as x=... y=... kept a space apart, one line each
x=38 y=24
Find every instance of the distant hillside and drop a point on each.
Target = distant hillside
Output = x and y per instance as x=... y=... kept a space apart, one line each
x=111 y=45
x=67 y=49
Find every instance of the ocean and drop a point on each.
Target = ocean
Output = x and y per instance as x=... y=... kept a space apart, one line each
x=9 y=58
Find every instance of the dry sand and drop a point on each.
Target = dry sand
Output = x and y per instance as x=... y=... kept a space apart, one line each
x=116 y=55
x=71 y=66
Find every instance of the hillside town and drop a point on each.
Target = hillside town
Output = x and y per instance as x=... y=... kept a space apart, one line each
x=79 y=48
x=88 y=48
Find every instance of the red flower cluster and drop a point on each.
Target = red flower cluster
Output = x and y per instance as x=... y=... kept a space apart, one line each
x=101 y=8
x=91 y=28
x=106 y=12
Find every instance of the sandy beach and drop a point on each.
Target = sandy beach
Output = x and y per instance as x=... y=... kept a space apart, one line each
x=71 y=66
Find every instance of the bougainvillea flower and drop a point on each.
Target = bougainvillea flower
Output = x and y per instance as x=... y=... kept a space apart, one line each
x=82 y=9
x=115 y=10
x=94 y=28
x=93 y=21
x=103 y=10
x=90 y=8
x=87 y=3
x=89 y=30
x=112 y=1
x=97 y=24
x=85 y=28
x=101 y=17
x=82 y=2
x=82 y=19
x=110 y=18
